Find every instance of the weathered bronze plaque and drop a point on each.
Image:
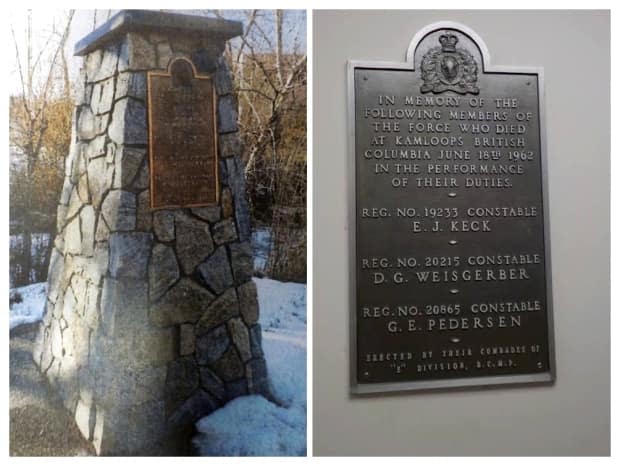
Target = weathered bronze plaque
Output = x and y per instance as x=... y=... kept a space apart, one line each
x=182 y=137
x=449 y=259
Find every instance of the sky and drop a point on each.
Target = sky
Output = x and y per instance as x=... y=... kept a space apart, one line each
x=84 y=21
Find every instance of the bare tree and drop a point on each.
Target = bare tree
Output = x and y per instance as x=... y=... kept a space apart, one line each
x=43 y=79
x=268 y=63
x=99 y=20
x=264 y=73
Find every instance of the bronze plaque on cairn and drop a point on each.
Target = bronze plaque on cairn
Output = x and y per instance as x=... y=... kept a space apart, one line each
x=449 y=240
x=182 y=137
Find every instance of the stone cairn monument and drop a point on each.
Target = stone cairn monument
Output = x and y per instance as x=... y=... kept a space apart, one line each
x=151 y=316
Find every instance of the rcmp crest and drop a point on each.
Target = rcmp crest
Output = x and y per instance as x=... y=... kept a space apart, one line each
x=448 y=68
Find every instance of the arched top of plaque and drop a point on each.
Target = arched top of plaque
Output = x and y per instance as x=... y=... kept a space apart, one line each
x=450 y=59
x=448 y=37
x=182 y=71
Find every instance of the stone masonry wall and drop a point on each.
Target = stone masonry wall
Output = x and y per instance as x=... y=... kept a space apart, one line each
x=152 y=318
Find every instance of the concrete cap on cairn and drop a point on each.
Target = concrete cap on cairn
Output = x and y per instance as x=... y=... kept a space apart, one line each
x=156 y=21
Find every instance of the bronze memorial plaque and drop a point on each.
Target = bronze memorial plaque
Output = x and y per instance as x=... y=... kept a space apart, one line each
x=182 y=137
x=449 y=252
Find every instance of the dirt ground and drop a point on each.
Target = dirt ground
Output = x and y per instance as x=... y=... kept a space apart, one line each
x=39 y=423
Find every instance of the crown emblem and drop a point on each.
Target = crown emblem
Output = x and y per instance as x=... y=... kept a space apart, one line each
x=448 y=68
x=448 y=42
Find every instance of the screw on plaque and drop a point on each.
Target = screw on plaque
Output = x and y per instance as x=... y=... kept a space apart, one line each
x=539 y=365
x=452 y=242
x=451 y=194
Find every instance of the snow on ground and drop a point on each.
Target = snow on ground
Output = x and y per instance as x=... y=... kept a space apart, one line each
x=32 y=304
x=252 y=425
x=282 y=306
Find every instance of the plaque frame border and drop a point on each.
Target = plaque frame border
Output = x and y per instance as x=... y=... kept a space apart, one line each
x=196 y=75
x=542 y=378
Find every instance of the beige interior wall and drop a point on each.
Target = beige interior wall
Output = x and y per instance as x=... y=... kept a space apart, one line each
x=568 y=418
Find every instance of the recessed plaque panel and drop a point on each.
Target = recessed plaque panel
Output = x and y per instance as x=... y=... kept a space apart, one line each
x=450 y=261
x=182 y=138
